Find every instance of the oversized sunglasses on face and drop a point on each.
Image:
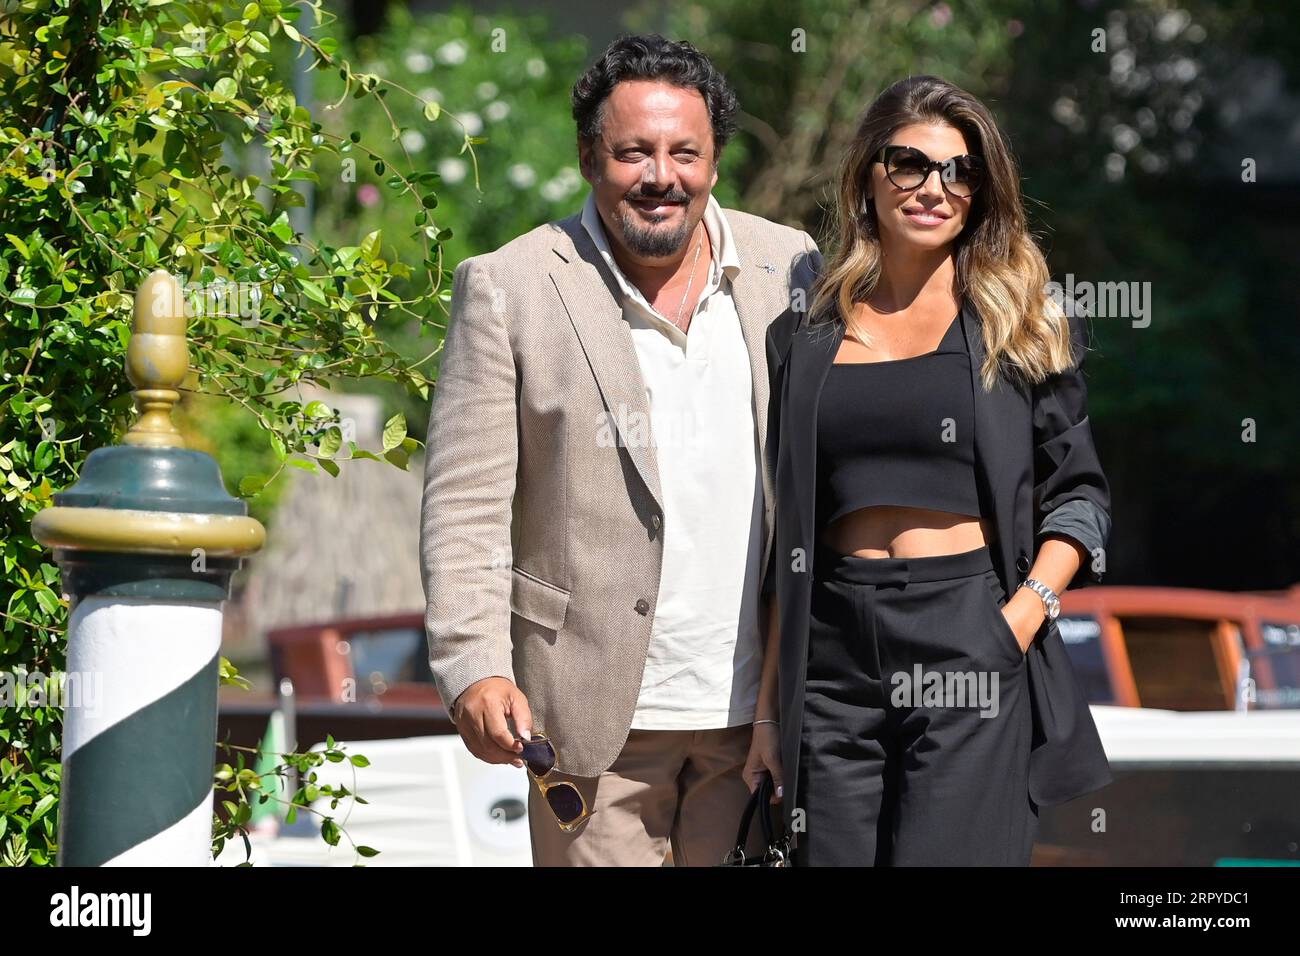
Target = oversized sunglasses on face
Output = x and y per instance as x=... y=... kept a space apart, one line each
x=907 y=167
x=563 y=798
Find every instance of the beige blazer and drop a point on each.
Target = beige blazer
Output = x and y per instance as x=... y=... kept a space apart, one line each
x=540 y=548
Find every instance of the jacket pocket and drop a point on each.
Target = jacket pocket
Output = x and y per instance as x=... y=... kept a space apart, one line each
x=537 y=600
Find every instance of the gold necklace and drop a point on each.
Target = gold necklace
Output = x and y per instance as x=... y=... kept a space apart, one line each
x=698 y=246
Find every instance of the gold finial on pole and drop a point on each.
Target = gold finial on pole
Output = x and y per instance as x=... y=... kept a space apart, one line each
x=157 y=360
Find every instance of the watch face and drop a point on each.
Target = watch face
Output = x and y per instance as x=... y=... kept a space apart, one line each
x=1053 y=608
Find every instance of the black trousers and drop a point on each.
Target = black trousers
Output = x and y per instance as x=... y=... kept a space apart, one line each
x=914 y=749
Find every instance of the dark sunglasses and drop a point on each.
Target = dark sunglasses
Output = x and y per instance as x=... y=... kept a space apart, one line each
x=563 y=798
x=907 y=168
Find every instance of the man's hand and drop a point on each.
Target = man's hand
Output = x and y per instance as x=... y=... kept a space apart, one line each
x=480 y=714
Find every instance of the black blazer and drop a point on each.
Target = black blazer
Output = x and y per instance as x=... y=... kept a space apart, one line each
x=1037 y=473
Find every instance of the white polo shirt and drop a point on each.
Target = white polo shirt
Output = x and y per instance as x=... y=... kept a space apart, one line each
x=705 y=660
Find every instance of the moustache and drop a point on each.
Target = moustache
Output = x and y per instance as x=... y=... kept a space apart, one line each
x=668 y=197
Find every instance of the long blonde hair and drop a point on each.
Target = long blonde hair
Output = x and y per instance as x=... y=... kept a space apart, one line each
x=999 y=268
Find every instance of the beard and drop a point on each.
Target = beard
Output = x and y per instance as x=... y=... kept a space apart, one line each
x=650 y=242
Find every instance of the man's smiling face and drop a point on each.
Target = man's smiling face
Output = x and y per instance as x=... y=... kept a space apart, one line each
x=652 y=167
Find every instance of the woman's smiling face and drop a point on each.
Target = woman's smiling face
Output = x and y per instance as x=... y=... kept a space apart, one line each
x=929 y=215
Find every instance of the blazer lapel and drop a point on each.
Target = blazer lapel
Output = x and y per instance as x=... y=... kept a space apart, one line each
x=812 y=351
x=590 y=297
x=747 y=295
x=1001 y=425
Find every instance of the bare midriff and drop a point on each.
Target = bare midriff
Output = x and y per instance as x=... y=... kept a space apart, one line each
x=890 y=531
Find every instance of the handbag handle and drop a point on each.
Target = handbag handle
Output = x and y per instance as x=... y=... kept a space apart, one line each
x=761 y=797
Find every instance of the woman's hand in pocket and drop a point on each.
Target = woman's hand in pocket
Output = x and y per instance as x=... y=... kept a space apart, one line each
x=764 y=757
x=1025 y=615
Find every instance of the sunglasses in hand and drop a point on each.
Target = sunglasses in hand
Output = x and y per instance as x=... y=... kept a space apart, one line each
x=563 y=798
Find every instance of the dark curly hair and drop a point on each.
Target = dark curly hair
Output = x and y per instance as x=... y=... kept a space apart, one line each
x=651 y=57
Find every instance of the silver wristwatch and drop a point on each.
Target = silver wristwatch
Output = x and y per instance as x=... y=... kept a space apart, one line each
x=1051 y=601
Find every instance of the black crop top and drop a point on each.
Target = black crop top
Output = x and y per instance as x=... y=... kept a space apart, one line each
x=884 y=435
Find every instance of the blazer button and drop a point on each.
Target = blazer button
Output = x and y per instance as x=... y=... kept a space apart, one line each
x=1022 y=564
x=654 y=520
x=643 y=606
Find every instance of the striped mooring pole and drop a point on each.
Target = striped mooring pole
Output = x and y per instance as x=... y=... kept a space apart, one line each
x=147 y=540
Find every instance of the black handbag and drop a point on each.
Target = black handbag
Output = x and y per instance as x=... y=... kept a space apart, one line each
x=778 y=847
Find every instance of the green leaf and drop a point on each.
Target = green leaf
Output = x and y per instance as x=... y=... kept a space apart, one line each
x=250 y=485
x=18 y=244
x=394 y=431
x=313 y=291
x=370 y=245
x=46 y=599
x=432 y=111
x=226 y=89
x=331 y=443
x=281 y=228
x=42 y=807
x=49 y=295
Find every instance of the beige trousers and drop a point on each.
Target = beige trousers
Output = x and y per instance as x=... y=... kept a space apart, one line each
x=667 y=788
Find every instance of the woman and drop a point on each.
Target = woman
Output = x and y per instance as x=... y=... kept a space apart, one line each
x=930 y=430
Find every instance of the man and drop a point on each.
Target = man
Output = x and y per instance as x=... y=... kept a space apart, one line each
x=597 y=505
